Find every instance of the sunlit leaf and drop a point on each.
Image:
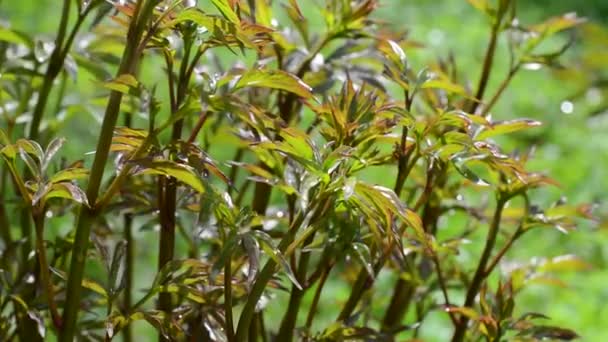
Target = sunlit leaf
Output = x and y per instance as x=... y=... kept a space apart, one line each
x=224 y=7
x=275 y=79
x=69 y=175
x=184 y=173
x=503 y=127
x=126 y=84
x=86 y=283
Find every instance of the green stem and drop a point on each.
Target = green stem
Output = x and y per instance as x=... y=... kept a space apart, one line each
x=315 y=301
x=53 y=69
x=487 y=68
x=500 y=90
x=228 y=300
x=480 y=272
x=5 y=231
x=269 y=268
x=143 y=13
x=295 y=299
x=45 y=275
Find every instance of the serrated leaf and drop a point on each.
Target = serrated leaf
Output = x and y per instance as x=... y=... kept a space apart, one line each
x=503 y=127
x=181 y=172
x=274 y=79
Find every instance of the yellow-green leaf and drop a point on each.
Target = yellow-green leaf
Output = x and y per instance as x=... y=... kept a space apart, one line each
x=275 y=79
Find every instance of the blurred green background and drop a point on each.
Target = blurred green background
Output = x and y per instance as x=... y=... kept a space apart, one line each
x=572 y=144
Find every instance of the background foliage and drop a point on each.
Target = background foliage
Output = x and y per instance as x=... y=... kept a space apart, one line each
x=571 y=102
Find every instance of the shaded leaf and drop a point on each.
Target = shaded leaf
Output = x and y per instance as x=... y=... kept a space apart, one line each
x=275 y=254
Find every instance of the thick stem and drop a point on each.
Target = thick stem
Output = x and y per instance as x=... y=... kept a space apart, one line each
x=480 y=272
x=142 y=14
x=168 y=190
x=166 y=247
x=127 y=334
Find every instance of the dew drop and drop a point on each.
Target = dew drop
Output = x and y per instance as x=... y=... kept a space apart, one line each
x=567 y=107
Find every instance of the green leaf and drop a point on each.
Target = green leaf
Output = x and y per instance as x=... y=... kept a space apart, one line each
x=503 y=127
x=274 y=79
x=467 y=312
x=4 y=140
x=564 y=263
x=460 y=165
x=266 y=243
x=15 y=37
x=116 y=285
x=31 y=164
x=300 y=142
x=364 y=256
x=557 y=24
x=394 y=53
x=483 y=6
x=69 y=174
x=86 y=283
x=181 y=172
x=50 y=152
x=126 y=84
x=93 y=67
x=224 y=7
x=543 y=332
x=31 y=147
x=446 y=85
x=68 y=191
